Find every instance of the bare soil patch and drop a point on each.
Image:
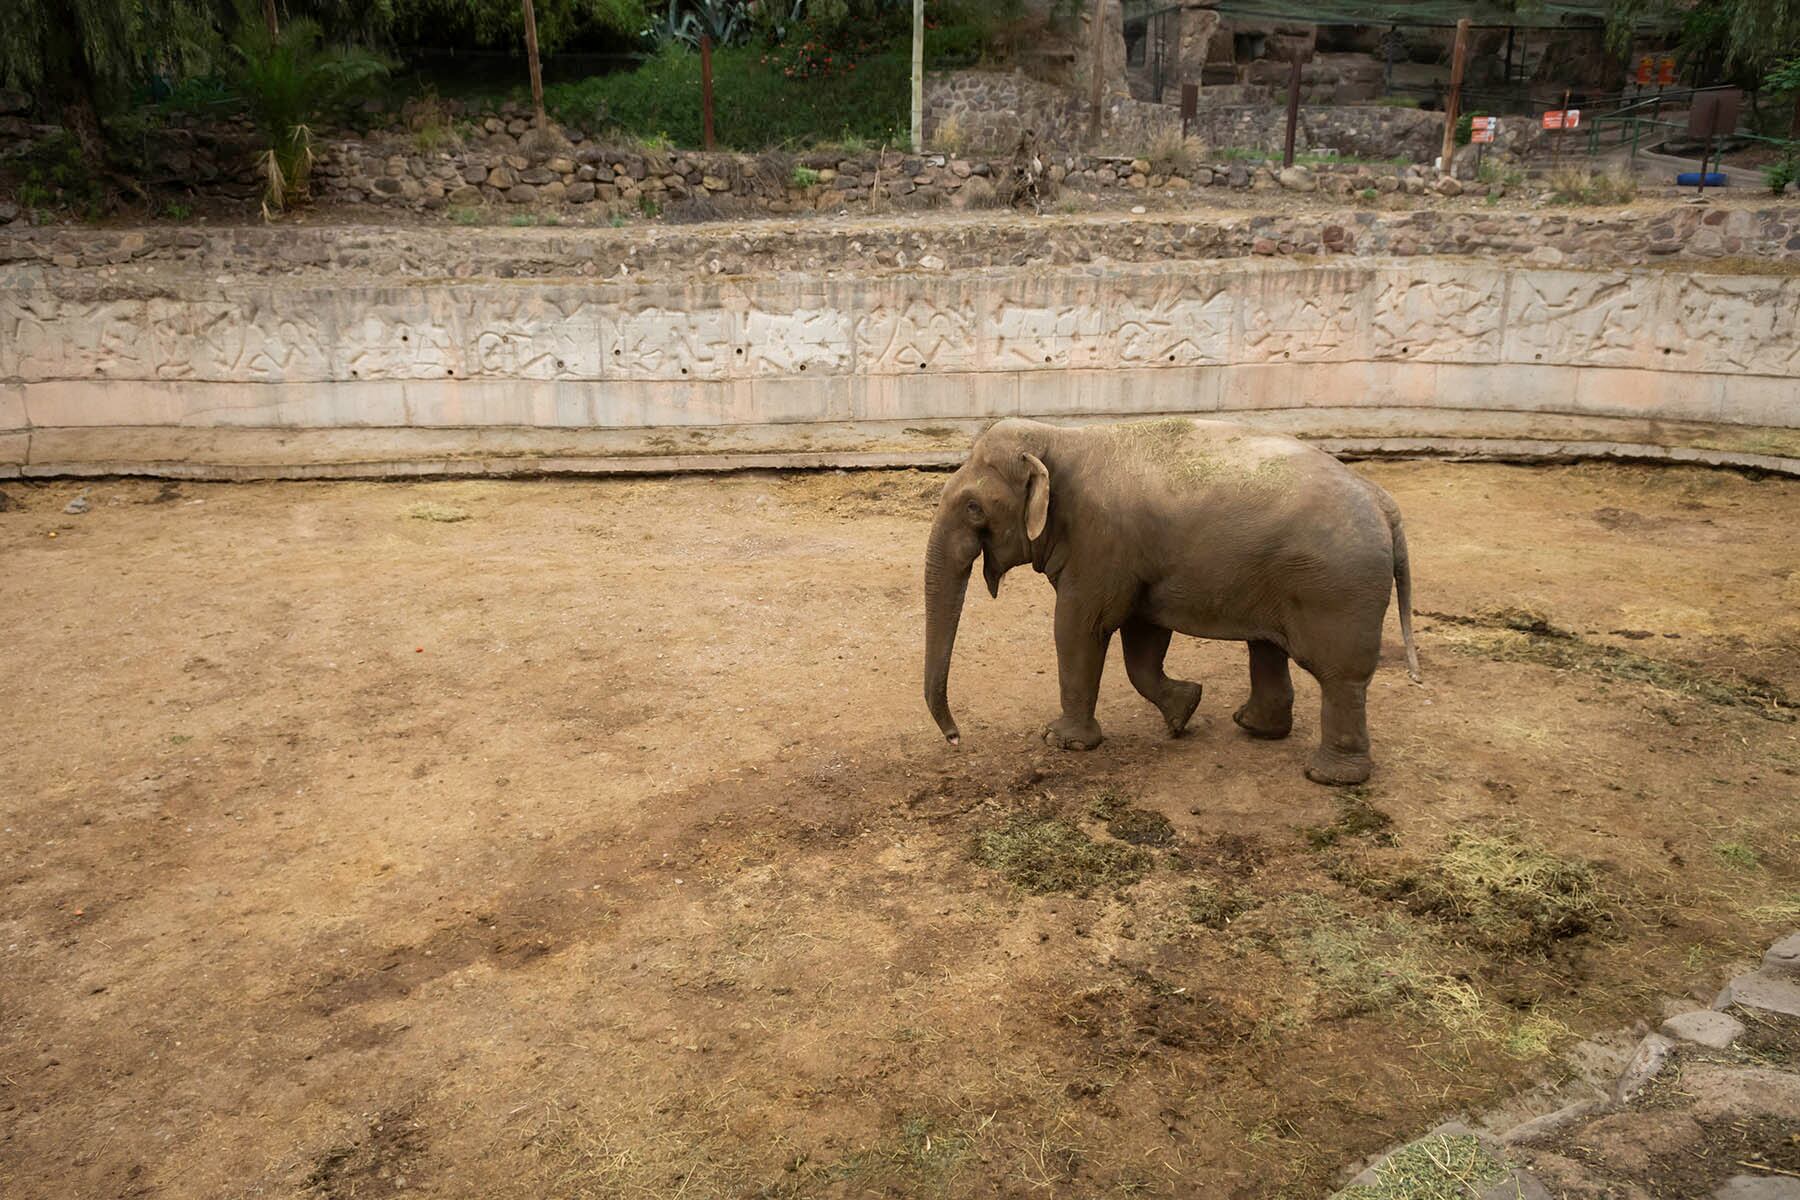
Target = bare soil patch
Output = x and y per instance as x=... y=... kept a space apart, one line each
x=595 y=842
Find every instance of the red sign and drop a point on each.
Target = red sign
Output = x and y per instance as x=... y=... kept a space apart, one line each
x=1665 y=70
x=1646 y=70
x=1559 y=118
x=1483 y=129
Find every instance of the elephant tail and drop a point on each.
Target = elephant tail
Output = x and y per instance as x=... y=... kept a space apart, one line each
x=1403 y=592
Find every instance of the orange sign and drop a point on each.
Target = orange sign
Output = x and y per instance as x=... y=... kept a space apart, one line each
x=1665 y=70
x=1646 y=70
x=1483 y=129
x=1561 y=118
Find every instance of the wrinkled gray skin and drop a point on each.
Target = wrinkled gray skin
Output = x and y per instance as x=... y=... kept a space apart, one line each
x=1197 y=527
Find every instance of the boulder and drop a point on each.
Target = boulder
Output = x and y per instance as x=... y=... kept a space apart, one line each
x=465 y=196
x=1715 y=1030
x=1297 y=179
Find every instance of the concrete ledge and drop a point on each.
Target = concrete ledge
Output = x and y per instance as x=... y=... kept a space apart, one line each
x=186 y=453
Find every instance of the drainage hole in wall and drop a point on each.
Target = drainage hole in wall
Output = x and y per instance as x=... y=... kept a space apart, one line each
x=921 y=366
x=1171 y=358
x=740 y=349
x=559 y=364
x=803 y=366
x=1538 y=357
x=405 y=337
x=684 y=370
x=449 y=370
x=615 y=352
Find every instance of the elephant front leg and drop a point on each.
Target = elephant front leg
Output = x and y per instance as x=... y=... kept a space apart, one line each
x=1080 y=657
x=1343 y=753
x=1146 y=646
x=1269 y=713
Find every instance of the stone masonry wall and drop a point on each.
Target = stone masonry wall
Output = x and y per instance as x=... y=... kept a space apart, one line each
x=988 y=109
x=155 y=257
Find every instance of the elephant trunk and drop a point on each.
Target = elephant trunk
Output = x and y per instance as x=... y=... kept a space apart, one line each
x=949 y=557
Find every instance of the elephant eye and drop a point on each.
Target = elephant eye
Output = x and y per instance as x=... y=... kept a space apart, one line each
x=976 y=516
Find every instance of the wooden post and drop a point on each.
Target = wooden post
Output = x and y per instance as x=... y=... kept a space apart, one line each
x=1453 y=103
x=918 y=77
x=1097 y=92
x=1293 y=113
x=269 y=17
x=706 y=101
x=531 y=56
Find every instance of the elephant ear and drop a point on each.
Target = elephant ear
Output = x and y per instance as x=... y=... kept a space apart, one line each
x=1037 y=497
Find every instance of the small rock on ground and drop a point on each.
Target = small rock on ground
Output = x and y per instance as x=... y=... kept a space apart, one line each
x=1716 y=1030
x=1652 y=1053
x=77 y=506
x=1783 y=957
x=1762 y=989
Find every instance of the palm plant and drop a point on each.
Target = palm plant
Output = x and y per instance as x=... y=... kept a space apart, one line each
x=288 y=79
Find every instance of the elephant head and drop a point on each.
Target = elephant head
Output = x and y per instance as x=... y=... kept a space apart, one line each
x=997 y=504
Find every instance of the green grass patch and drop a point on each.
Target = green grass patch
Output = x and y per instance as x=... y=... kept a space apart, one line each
x=1519 y=635
x=1356 y=818
x=1509 y=895
x=1213 y=907
x=1138 y=826
x=1513 y=894
x=1360 y=966
x=1440 y=1167
x=1050 y=854
x=1738 y=856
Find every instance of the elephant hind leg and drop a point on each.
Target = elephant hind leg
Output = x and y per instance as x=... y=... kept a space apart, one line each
x=1343 y=753
x=1146 y=646
x=1269 y=713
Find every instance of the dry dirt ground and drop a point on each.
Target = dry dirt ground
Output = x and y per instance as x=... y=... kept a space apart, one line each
x=598 y=844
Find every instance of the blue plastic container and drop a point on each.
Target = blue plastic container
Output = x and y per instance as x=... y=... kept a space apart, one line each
x=1692 y=179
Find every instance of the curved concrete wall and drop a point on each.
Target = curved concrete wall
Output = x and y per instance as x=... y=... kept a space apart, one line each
x=371 y=378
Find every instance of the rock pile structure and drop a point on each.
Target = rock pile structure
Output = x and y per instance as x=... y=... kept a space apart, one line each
x=1708 y=1105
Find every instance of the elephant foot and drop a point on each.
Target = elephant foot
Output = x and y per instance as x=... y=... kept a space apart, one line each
x=1066 y=734
x=1180 y=699
x=1337 y=770
x=1258 y=725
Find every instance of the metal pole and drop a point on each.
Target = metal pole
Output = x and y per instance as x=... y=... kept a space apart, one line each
x=531 y=54
x=706 y=95
x=918 y=77
x=1293 y=113
x=1097 y=91
x=1454 y=101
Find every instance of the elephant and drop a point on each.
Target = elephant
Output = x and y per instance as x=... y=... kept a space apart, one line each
x=1201 y=527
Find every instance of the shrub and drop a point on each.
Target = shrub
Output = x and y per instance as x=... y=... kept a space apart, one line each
x=1782 y=172
x=1584 y=185
x=755 y=105
x=287 y=80
x=950 y=137
x=1173 y=154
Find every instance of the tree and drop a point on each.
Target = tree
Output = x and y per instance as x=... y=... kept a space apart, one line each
x=1745 y=35
x=80 y=58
